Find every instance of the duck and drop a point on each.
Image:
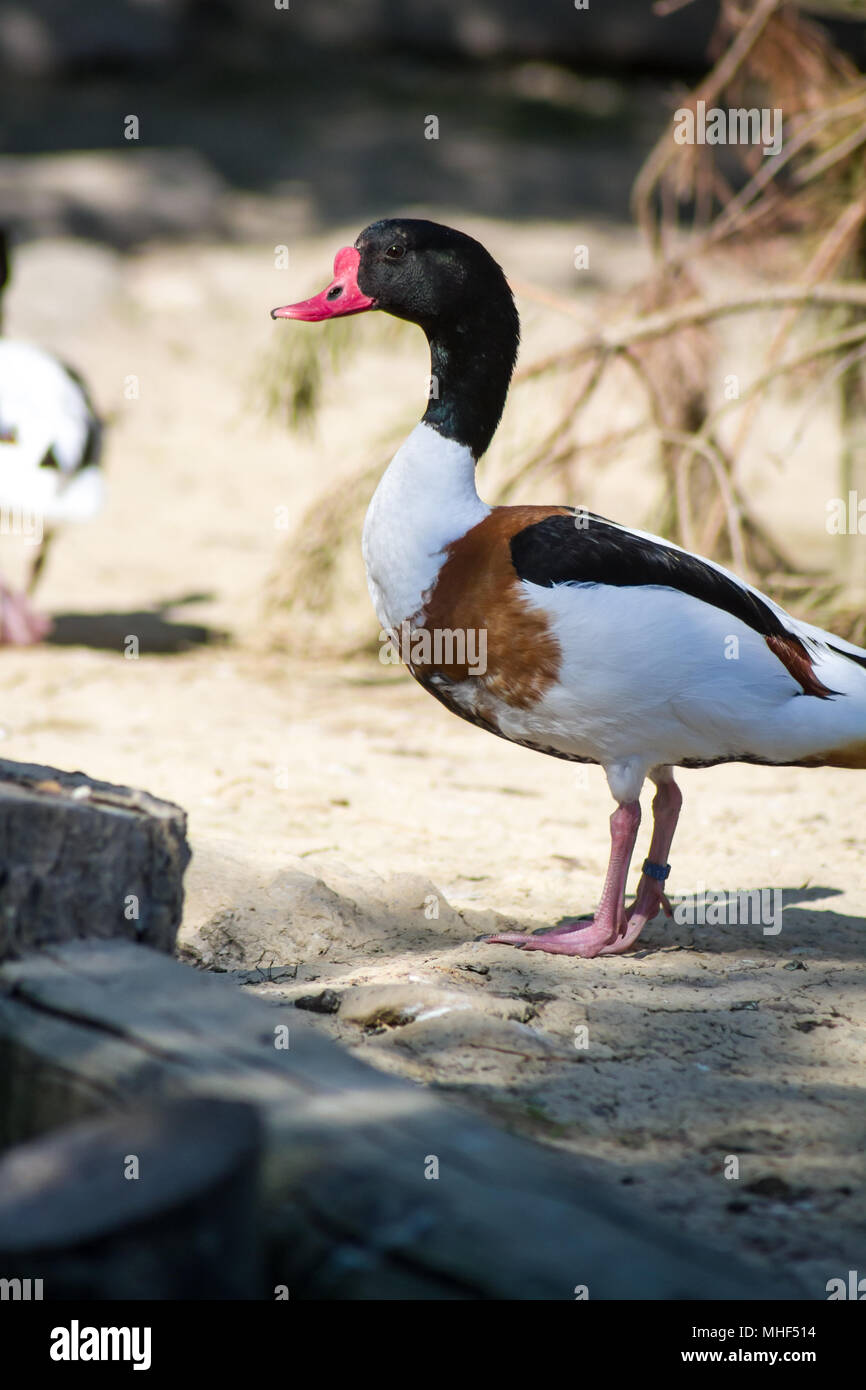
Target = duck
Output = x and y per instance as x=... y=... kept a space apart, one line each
x=601 y=643
x=50 y=461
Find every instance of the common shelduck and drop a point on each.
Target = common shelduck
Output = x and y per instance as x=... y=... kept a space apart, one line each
x=50 y=444
x=602 y=644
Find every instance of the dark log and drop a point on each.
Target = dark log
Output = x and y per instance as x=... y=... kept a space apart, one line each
x=159 y=1202
x=80 y=858
x=349 y=1212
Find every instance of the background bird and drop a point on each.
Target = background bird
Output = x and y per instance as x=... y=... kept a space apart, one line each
x=50 y=452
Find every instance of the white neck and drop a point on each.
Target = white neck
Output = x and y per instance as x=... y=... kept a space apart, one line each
x=425 y=500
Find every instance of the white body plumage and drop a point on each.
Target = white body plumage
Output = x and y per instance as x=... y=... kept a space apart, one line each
x=649 y=675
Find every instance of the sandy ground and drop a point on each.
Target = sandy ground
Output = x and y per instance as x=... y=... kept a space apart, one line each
x=350 y=835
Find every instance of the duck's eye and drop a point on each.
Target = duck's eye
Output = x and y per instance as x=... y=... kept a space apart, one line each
x=395 y=252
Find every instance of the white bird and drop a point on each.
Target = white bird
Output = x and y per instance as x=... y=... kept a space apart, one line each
x=50 y=446
x=601 y=644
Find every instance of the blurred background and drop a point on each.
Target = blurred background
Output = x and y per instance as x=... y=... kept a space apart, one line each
x=171 y=170
x=156 y=153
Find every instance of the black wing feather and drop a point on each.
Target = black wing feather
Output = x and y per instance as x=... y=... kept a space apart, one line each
x=585 y=549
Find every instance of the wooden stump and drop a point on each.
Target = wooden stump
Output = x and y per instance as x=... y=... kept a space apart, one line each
x=160 y=1202
x=80 y=858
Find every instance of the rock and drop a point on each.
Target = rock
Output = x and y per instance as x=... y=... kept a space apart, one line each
x=328 y=1002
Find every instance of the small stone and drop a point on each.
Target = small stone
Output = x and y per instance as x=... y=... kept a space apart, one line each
x=328 y=1002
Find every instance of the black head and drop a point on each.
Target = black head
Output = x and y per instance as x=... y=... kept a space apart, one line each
x=429 y=274
x=451 y=287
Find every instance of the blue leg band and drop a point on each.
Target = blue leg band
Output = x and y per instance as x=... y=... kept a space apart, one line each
x=657 y=871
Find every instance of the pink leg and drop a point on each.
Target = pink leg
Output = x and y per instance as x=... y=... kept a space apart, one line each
x=614 y=930
x=650 y=891
x=20 y=624
x=605 y=932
